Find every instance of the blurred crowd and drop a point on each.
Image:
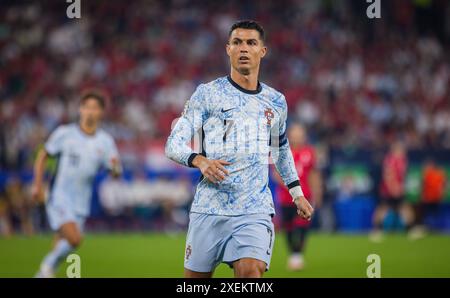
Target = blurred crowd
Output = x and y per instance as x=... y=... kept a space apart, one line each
x=355 y=83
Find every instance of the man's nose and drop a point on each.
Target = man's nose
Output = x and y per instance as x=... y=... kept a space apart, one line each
x=243 y=48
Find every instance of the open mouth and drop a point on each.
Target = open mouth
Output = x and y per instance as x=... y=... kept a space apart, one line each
x=244 y=59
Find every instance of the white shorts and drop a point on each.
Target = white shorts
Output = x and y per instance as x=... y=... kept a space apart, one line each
x=59 y=215
x=215 y=239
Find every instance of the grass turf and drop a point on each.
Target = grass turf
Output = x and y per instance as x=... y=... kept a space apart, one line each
x=161 y=255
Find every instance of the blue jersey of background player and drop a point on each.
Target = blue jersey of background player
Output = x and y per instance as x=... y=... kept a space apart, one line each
x=241 y=121
x=81 y=150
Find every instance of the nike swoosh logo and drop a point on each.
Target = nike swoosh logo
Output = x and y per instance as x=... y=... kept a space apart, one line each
x=223 y=111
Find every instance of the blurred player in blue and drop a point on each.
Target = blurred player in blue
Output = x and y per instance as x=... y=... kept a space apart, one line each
x=242 y=125
x=81 y=149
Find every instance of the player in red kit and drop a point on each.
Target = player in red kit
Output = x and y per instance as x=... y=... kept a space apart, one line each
x=392 y=190
x=297 y=228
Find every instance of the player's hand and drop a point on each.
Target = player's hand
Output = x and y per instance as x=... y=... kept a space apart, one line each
x=37 y=193
x=116 y=169
x=213 y=170
x=304 y=208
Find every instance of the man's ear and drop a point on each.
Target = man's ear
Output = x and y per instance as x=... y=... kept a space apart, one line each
x=263 y=51
x=227 y=47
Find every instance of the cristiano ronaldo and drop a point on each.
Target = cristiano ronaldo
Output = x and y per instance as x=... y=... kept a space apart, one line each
x=242 y=124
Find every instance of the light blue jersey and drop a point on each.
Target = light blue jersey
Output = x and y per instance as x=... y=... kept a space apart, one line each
x=242 y=127
x=79 y=157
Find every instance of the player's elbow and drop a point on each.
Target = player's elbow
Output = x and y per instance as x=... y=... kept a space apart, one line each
x=41 y=158
x=170 y=150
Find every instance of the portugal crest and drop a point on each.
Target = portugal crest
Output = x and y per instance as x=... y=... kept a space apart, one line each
x=188 y=251
x=269 y=116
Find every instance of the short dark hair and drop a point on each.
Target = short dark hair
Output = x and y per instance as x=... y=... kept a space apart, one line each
x=99 y=95
x=248 y=24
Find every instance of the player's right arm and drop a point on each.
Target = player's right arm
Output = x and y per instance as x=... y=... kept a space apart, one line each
x=389 y=177
x=37 y=190
x=111 y=158
x=315 y=180
x=177 y=148
x=52 y=147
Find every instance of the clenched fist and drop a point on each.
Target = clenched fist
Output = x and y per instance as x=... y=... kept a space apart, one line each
x=304 y=208
x=37 y=193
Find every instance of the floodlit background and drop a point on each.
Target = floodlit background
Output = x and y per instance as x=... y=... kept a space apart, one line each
x=357 y=84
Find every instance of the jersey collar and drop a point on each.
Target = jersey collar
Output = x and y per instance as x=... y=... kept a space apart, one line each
x=236 y=85
x=84 y=133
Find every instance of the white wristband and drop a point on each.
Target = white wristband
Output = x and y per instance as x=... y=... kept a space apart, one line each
x=296 y=192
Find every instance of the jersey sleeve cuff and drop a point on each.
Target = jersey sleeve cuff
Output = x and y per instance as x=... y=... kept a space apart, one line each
x=293 y=184
x=295 y=189
x=49 y=152
x=190 y=159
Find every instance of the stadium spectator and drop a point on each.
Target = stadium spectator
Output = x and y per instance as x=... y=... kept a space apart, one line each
x=5 y=221
x=356 y=85
x=19 y=206
x=398 y=84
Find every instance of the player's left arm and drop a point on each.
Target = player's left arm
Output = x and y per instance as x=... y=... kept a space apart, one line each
x=112 y=159
x=284 y=163
x=315 y=180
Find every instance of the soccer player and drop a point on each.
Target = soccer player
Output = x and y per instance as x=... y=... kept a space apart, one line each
x=296 y=227
x=242 y=120
x=81 y=150
x=433 y=192
x=392 y=191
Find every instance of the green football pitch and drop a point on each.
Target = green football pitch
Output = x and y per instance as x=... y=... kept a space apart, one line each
x=161 y=255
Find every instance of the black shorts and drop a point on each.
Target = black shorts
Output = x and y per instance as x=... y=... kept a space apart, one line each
x=290 y=218
x=393 y=202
